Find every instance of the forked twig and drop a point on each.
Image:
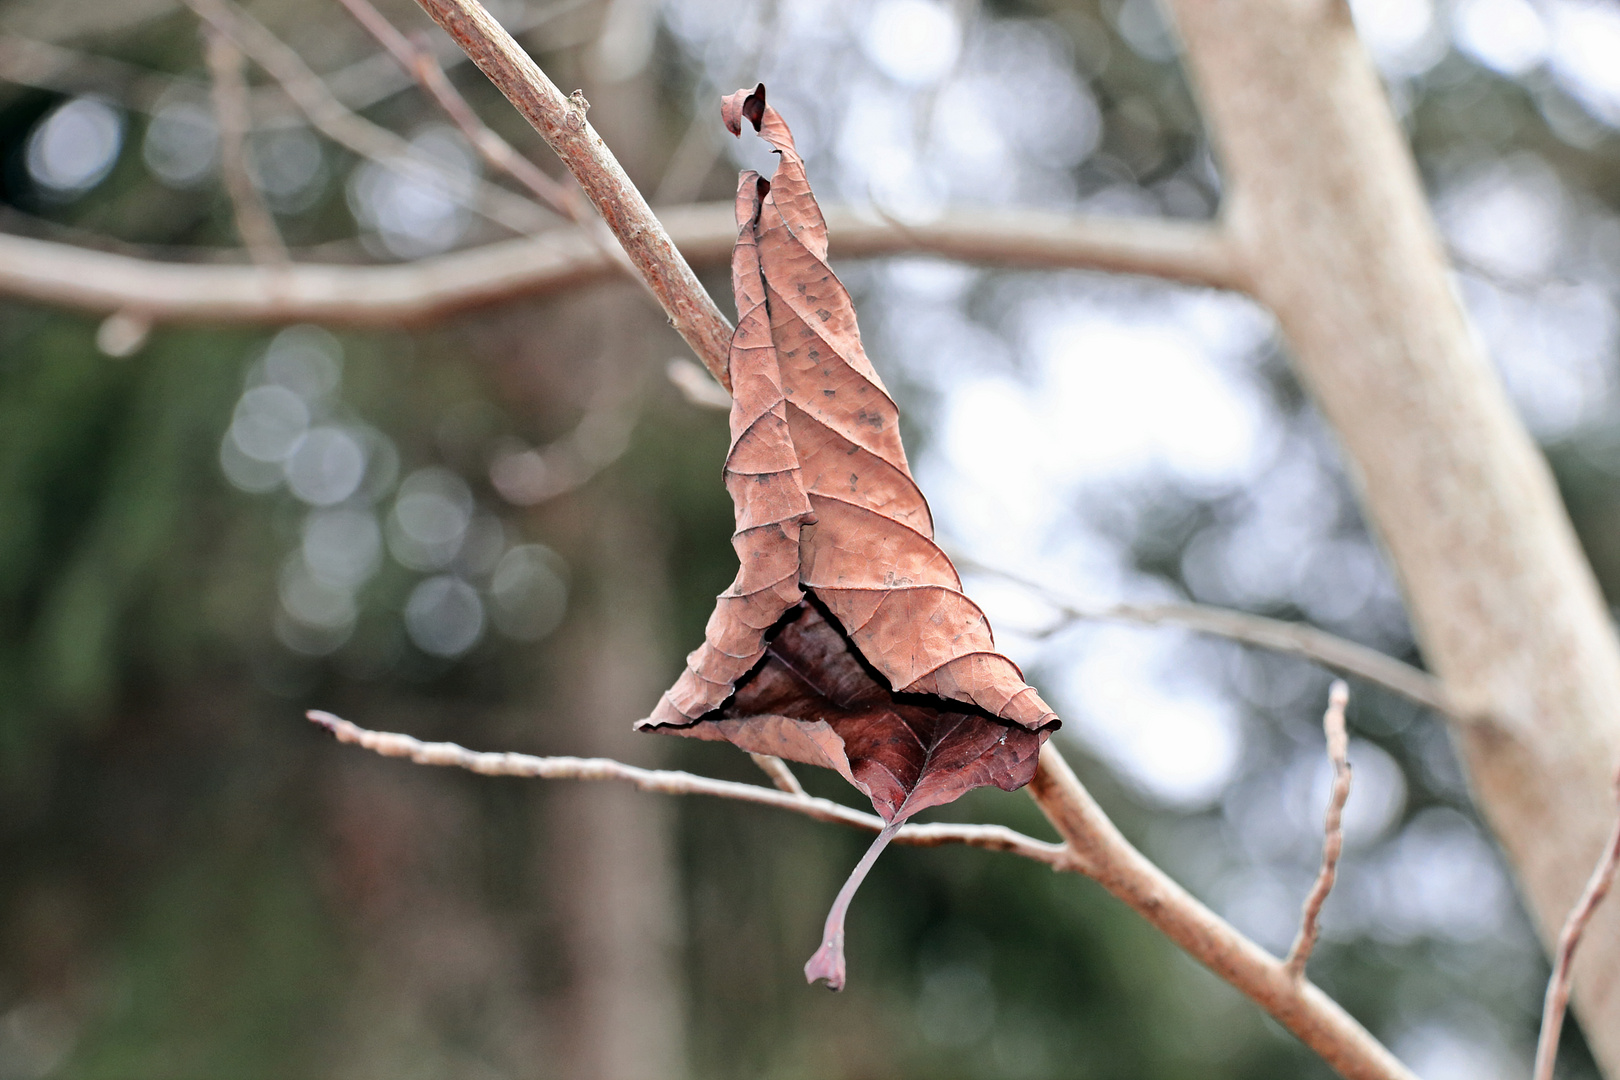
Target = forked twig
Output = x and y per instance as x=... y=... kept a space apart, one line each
x=668 y=782
x=1338 y=748
x=1558 y=987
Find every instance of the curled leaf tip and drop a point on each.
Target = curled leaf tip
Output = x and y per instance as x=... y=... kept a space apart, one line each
x=745 y=103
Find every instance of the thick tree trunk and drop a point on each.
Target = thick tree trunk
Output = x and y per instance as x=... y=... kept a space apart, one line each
x=1329 y=221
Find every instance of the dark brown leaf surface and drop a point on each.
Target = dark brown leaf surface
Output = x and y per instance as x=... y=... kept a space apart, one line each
x=846 y=640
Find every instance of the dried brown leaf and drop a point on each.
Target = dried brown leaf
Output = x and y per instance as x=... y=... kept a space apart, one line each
x=846 y=640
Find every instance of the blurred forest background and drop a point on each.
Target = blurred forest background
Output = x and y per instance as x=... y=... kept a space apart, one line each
x=508 y=528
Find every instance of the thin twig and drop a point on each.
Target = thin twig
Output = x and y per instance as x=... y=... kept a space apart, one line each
x=366 y=82
x=419 y=62
x=1095 y=848
x=780 y=774
x=431 y=289
x=361 y=136
x=1338 y=749
x=561 y=122
x=1558 y=987
x=1295 y=639
x=417 y=58
x=254 y=223
x=668 y=782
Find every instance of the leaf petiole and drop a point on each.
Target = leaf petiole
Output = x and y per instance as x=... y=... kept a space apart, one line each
x=828 y=961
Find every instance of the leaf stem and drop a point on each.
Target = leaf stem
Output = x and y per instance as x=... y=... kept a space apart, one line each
x=828 y=961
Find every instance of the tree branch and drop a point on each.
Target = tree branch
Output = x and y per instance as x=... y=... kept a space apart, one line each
x=1558 y=986
x=1338 y=748
x=430 y=290
x=1295 y=639
x=668 y=782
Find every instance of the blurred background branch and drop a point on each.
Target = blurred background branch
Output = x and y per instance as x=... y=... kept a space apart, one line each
x=432 y=289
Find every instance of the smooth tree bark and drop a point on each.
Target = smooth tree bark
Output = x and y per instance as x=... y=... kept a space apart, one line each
x=1327 y=216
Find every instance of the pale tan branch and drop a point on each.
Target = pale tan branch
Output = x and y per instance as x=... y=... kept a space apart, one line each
x=1295 y=639
x=668 y=782
x=561 y=122
x=1108 y=858
x=1558 y=986
x=432 y=289
x=1338 y=749
x=254 y=223
x=359 y=135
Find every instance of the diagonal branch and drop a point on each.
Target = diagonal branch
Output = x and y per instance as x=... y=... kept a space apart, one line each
x=1109 y=859
x=668 y=782
x=433 y=289
x=1338 y=747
